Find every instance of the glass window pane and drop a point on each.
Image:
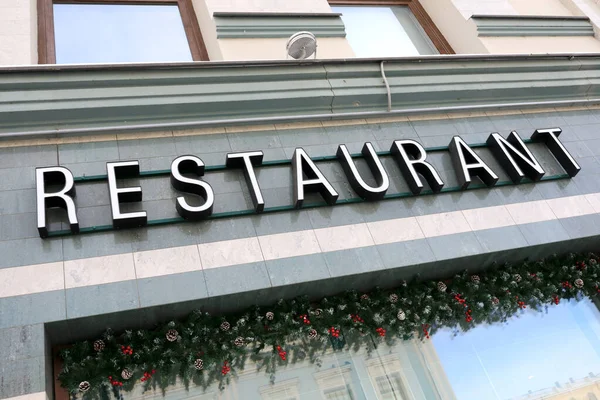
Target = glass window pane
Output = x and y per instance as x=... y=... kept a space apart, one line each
x=534 y=356
x=383 y=32
x=110 y=33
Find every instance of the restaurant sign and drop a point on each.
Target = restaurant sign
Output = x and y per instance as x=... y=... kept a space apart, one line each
x=55 y=186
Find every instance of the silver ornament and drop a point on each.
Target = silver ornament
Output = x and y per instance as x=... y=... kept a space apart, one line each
x=172 y=335
x=401 y=315
x=126 y=374
x=84 y=386
x=578 y=283
x=269 y=315
x=199 y=364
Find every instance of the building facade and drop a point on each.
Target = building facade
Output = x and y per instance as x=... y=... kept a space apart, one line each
x=100 y=100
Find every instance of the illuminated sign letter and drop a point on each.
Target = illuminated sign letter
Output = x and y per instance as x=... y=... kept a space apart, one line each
x=403 y=150
x=515 y=157
x=356 y=181
x=550 y=137
x=467 y=163
x=247 y=160
x=186 y=165
x=62 y=198
x=315 y=181
x=123 y=170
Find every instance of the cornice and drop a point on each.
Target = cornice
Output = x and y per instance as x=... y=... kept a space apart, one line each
x=113 y=99
x=516 y=25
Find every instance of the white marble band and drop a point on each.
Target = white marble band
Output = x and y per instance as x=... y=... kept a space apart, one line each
x=39 y=278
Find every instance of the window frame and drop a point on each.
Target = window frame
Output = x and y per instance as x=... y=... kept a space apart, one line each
x=434 y=34
x=47 y=43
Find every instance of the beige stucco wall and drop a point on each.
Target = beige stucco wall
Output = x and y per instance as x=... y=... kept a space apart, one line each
x=18 y=32
x=461 y=33
x=537 y=45
x=274 y=49
x=208 y=29
x=267 y=6
x=540 y=7
x=484 y=7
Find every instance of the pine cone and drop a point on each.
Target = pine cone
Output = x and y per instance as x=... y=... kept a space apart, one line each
x=99 y=345
x=495 y=301
x=475 y=279
x=172 y=335
x=239 y=341
x=364 y=297
x=126 y=374
x=441 y=286
x=401 y=315
x=517 y=278
x=393 y=298
x=84 y=386
x=199 y=364
x=270 y=316
x=225 y=326
x=312 y=334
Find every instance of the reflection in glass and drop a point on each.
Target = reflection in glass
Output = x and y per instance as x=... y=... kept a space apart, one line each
x=537 y=356
x=384 y=32
x=399 y=372
x=109 y=33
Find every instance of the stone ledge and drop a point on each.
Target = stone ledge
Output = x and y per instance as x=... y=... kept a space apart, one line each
x=514 y=25
x=277 y=25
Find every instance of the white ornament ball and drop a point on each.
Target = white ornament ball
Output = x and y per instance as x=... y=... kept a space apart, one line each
x=84 y=386
x=269 y=315
x=401 y=315
x=312 y=334
x=393 y=298
x=225 y=326
x=199 y=364
x=578 y=283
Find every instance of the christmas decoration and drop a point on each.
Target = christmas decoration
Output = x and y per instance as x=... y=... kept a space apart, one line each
x=401 y=315
x=239 y=341
x=99 y=345
x=269 y=315
x=126 y=374
x=172 y=335
x=147 y=375
x=205 y=350
x=226 y=368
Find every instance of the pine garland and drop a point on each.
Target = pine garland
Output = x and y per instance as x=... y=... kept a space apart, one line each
x=204 y=349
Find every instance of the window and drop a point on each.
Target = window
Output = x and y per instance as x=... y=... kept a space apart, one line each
x=554 y=355
x=339 y=393
x=389 y=387
x=113 y=31
x=391 y=28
